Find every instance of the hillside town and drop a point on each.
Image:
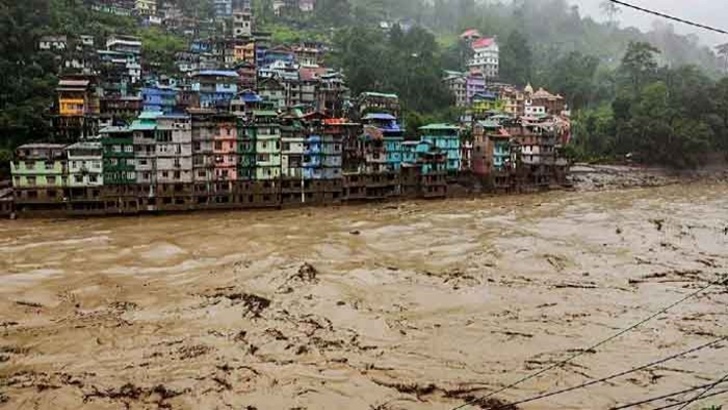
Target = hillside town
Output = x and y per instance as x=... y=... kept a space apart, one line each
x=244 y=122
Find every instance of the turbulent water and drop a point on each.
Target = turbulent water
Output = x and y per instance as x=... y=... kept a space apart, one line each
x=419 y=305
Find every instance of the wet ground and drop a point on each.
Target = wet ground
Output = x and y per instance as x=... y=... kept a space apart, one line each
x=419 y=305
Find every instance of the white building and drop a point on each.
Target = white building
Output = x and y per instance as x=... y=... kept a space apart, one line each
x=85 y=164
x=486 y=56
x=174 y=149
x=242 y=24
x=457 y=84
x=57 y=43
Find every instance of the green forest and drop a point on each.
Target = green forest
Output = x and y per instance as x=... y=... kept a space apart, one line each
x=658 y=96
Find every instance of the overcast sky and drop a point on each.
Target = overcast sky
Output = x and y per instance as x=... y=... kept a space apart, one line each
x=709 y=12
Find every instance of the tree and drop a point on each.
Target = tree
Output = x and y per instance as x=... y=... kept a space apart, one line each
x=638 y=65
x=515 y=59
x=611 y=10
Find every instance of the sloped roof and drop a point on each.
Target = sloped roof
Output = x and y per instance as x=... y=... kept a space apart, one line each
x=448 y=127
x=470 y=33
x=484 y=42
x=380 y=116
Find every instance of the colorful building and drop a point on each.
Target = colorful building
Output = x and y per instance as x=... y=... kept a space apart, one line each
x=215 y=88
x=40 y=174
x=160 y=98
x=145 y=151
x=118 y=147
x=392 y=138
x=224 y=148
x=486 y=55
x=445 y=137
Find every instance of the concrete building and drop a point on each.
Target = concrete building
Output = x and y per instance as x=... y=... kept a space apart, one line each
x=292 y=152
x=173 y=148
x=242 y=23
x=273 y=91
x=118 y=147
x=267 y=145
x=145 y=151
x=78 y=108
x=224 y=148
x=223 y=8
x=160 y=98
x=85 y=164
x=204 y=128
x=53 y=43
x=446 y=138
x=215 y=88
x=486 y=57
x=146 y=7
x=456 y=83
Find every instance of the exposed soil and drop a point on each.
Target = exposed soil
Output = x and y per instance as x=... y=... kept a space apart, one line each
x=421 y=305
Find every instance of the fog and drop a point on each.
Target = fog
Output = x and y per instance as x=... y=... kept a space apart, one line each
x=709 y=12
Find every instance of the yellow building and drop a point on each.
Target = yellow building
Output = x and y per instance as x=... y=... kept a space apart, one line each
x=245 y=52
x=75 y=98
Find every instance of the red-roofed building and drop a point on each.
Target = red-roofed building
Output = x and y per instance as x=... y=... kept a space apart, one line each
x=470 y=35
x=486 y=56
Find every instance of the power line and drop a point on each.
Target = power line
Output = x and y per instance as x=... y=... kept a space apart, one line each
x=707 y=396
x=588 y=349
x=704 y=392
x=667 y=16
x=665 y=396
x=614 y=376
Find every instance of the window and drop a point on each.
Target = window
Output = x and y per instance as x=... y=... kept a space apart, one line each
x=116 y=148
x=129 y=149
x=51 y=180
x=31 y=180
x=97 y=164
x=17 y=181
x=48 y=165
x=29 y=165
x=177 y=175
x=218 y=145
x=164 y=174
x=201 y=174
x=78 y=179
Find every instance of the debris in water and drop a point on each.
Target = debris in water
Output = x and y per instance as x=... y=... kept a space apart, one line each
x=355 y=233
x=619 y=231
x=658 y=223
x=29 y=304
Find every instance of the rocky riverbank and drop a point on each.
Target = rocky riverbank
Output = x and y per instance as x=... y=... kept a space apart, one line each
x=607 y=177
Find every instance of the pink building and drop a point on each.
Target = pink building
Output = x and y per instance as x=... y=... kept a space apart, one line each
x=224 y=149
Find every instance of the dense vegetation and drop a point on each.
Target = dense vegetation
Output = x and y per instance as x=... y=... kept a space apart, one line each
x=624 y=99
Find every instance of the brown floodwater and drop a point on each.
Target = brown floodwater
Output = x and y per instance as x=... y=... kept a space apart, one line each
x=417 y=305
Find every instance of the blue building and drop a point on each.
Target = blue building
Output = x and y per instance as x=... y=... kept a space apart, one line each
x=216 y=88
x=424 y=156
x=445 y=137
x=392 y=136
x=160 y=98
x=313 y=157
x=200 y=46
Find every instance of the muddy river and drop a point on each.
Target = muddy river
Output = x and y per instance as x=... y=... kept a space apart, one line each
x=419 y=305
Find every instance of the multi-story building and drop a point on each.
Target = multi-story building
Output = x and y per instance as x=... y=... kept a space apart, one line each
x=118 y=165
x=486 y=56
x=78 y=108
x=273 y=91
x=474 y=85
x=225 y=148
x=267 y=145
x=85 y=164
x=146 y=7
x=244 y=51
x=120 y=108
x=160 y=98
x=332 y=94
x=145 y=153
x=292 y=138
x=242 y=23
x=215 y=88
x=246 y=149
x=247 y=76
x=39 y=173
x=375 y=102
x=204 y=128
x=542 y=102
x=445 y=137
x=173 y=148
x=307 y=54
x=392 y=137
x=456 y=83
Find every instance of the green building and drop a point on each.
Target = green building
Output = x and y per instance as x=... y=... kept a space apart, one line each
x=118 y=154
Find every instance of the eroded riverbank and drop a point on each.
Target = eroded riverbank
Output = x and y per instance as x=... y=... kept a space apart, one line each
x=419 y=305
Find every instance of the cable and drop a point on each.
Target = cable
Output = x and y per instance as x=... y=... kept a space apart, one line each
x=664 y=396
x=591 y=348
x=614 y=376
x=707 y=396
x=667 y=16
x=706 y=391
